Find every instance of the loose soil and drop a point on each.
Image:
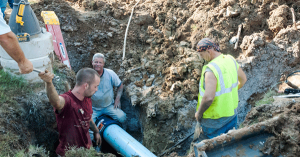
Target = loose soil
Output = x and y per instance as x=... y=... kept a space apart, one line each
x=161 y=95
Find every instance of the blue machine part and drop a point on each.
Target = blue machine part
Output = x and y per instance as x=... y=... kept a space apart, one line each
x=103 y=122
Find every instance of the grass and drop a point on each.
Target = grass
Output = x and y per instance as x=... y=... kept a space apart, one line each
x=11 y=85
x=83 y=152
x=267 y=99
x=80 y=152
x=33 y=151
x=13 y=134
x=7 y=141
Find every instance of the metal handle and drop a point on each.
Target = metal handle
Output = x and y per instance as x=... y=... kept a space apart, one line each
x=37 y=70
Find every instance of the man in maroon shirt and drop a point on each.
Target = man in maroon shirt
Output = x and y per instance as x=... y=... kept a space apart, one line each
x=73 y=110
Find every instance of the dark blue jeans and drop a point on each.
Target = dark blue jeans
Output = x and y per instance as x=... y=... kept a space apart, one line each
x=211 y=132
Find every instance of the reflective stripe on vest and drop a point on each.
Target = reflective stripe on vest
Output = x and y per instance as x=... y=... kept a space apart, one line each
x=221 y=79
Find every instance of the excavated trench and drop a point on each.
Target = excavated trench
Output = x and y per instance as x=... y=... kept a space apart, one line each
x=160 y=97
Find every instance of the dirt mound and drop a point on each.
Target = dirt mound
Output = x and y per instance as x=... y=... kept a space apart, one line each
x=278 y=18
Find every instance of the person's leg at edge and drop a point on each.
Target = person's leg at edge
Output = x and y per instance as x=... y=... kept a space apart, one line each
x=211 y=133
x=116 y=114
x=11 y=3
x=3 y=6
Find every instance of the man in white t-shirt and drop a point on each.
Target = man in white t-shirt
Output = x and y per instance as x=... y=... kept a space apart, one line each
x=103 y=101
x=10 y=44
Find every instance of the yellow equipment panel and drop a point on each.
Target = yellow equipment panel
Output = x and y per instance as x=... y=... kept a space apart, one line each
x=20 y=14
x=50 y=18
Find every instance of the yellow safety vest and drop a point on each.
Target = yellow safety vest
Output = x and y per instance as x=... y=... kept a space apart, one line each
x=226 y=98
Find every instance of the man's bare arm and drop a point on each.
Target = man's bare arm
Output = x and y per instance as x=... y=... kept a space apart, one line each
x=10 y=44
x=118 y=97
x=242 y=78
x=119 y=91
x=209 y=94
x=94 y=128
x=56 y=101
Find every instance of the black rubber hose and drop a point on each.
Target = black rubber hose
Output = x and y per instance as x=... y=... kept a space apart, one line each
x=291 y=75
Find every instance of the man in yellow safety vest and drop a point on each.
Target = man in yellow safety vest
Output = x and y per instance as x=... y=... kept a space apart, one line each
x=218 y=90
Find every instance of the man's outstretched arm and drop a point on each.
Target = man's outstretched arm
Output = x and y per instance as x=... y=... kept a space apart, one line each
x=10 y=44
x=56 y=101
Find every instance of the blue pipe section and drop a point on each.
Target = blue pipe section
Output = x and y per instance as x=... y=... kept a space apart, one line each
x=120 y=140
